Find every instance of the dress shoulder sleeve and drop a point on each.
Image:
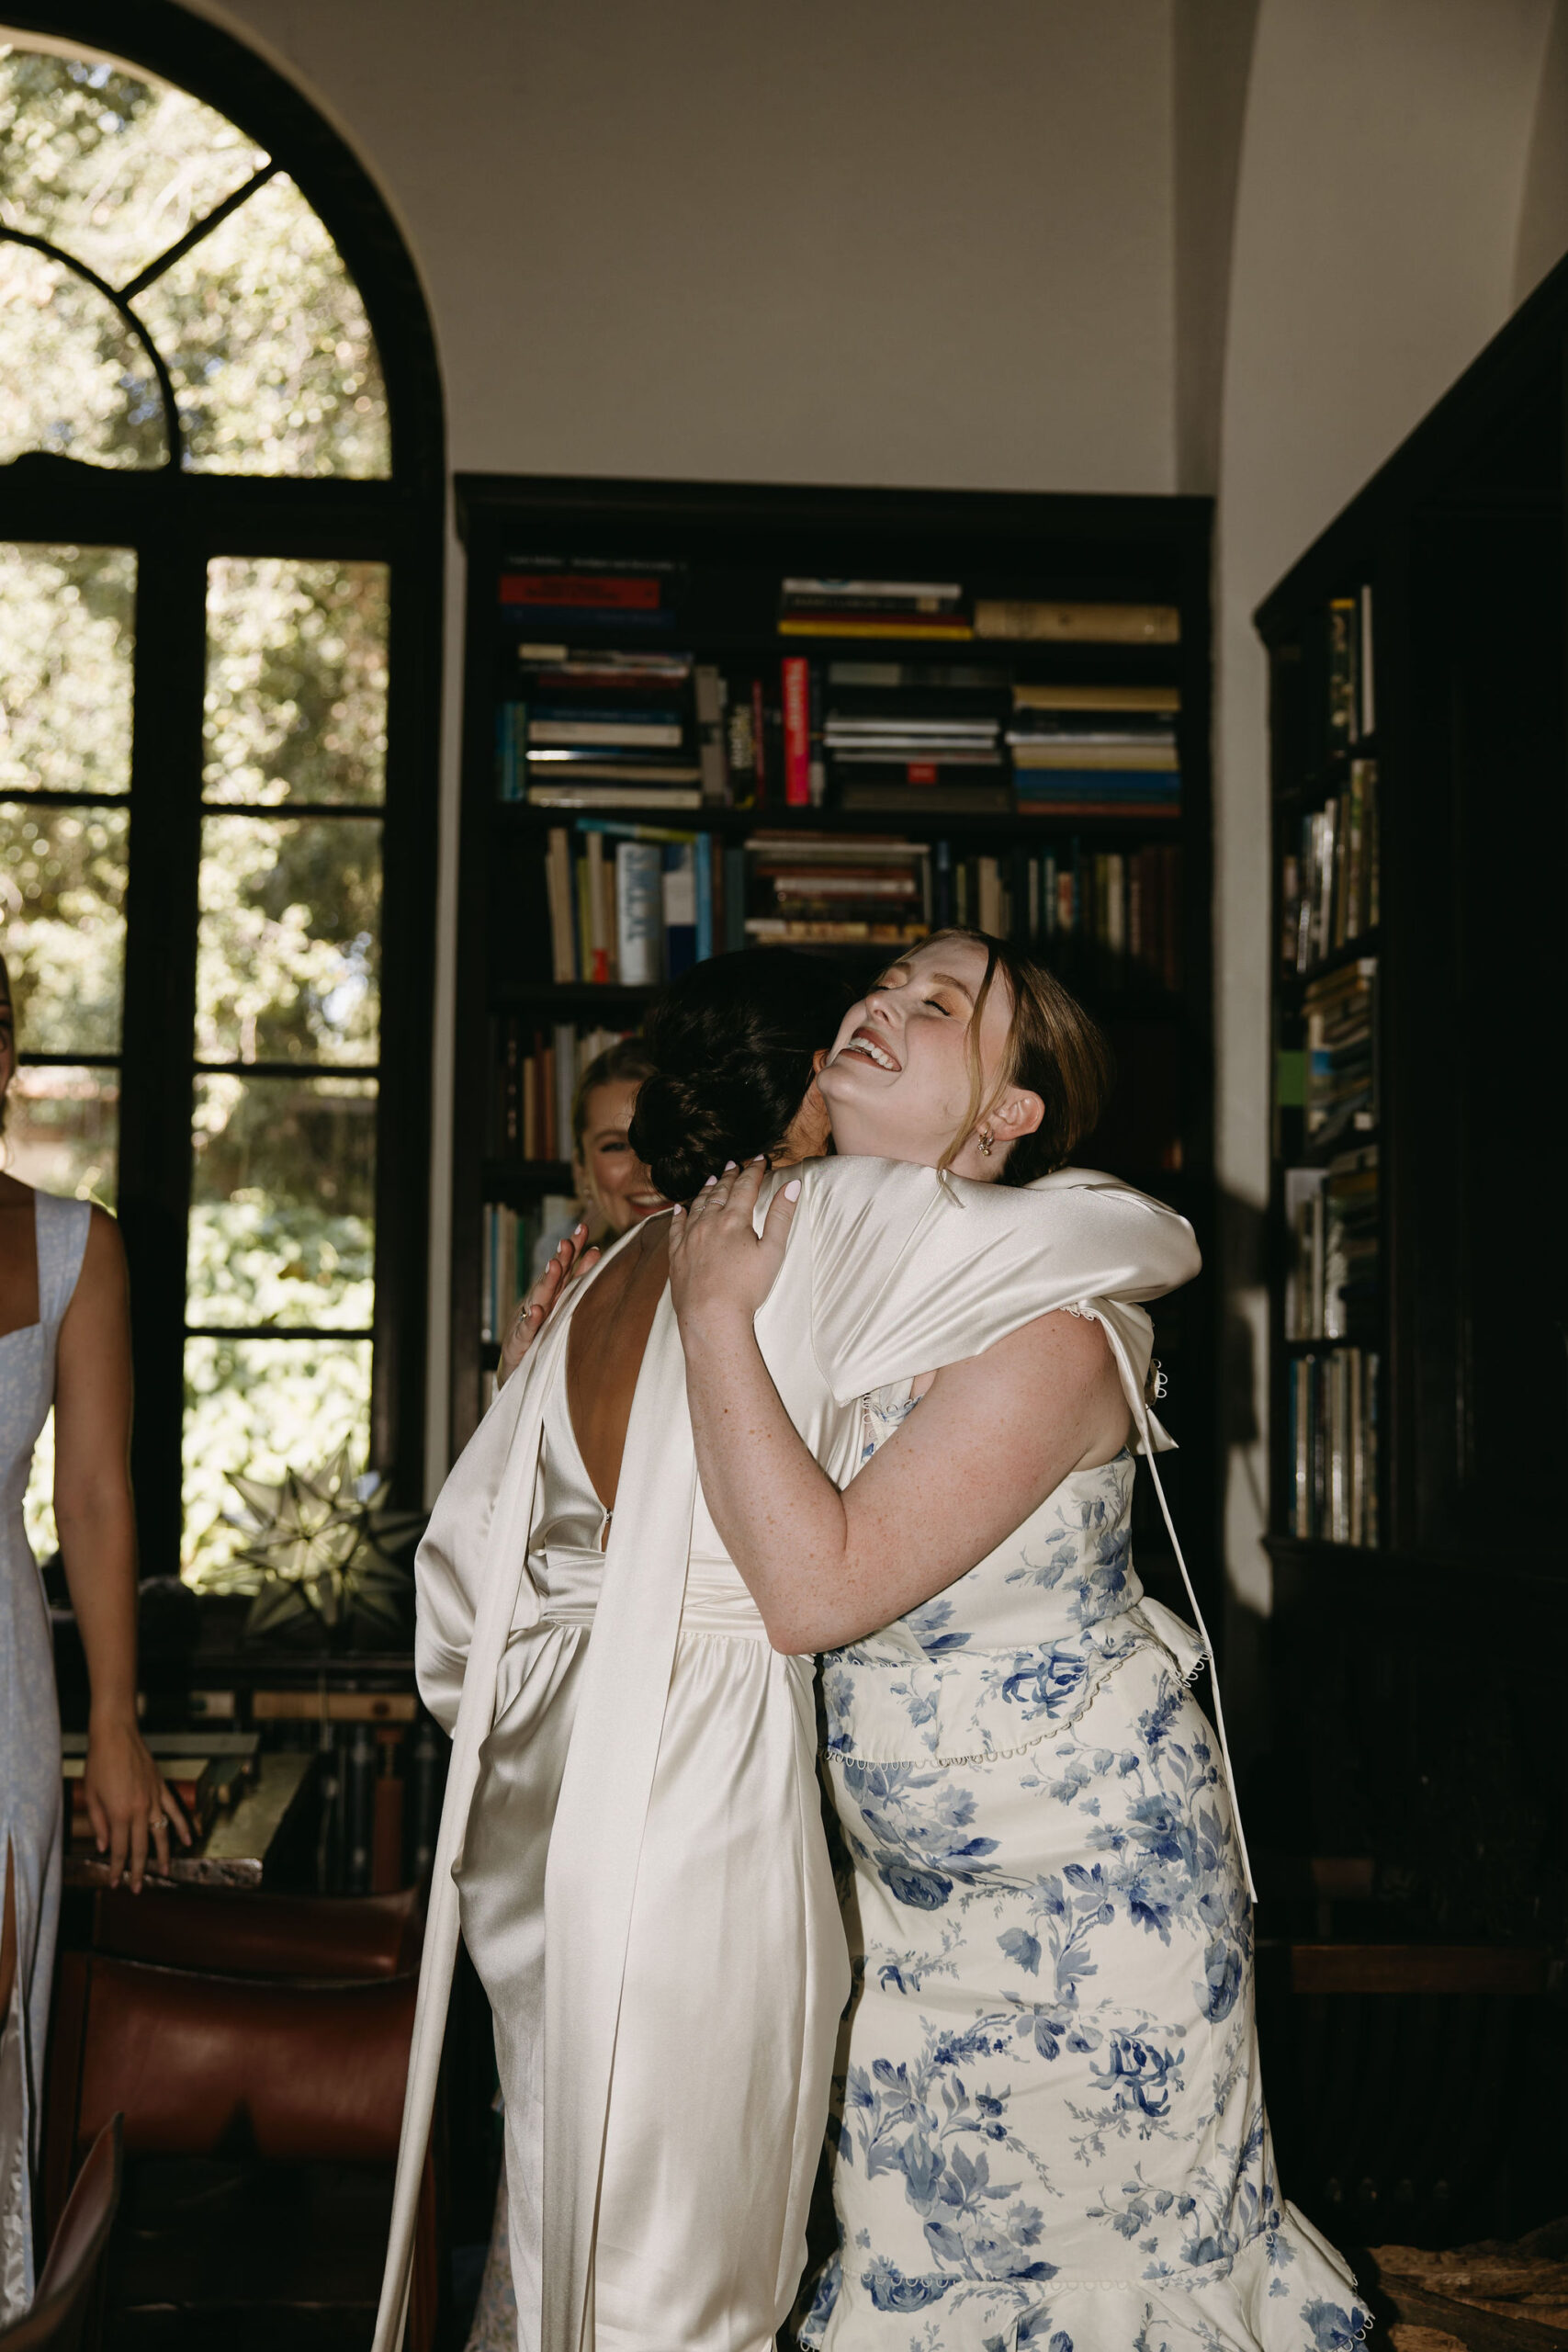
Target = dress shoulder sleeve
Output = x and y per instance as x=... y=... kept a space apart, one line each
x=911 y=1269
x=450 y=1564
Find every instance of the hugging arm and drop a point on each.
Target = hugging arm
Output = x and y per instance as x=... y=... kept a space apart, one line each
x=126 y=1792
x=993 y=1435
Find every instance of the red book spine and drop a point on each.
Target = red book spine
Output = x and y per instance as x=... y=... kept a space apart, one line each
x=797 y=731
x=558 y=589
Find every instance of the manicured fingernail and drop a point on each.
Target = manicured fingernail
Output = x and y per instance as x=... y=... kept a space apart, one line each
x=727 y=1166
x=680 y=1209
x=792 y=1190
x=707 y=1181
x=757 y=1158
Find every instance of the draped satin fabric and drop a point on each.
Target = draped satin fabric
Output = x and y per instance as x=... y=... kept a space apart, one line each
x=890 y=1271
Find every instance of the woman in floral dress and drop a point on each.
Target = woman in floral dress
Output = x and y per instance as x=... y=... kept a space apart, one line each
x=1051 y=2130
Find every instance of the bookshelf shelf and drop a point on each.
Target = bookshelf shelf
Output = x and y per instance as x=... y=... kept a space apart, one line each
x=515 y=1179
x=1439 y=1421
x=1117 y=897
x=591 y=998
x=739 y=824
x=1351 y=953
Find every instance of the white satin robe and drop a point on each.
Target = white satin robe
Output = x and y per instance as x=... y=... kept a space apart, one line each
x=643 y=1876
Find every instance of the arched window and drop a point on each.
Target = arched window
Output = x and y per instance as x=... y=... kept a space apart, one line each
x=220 y=538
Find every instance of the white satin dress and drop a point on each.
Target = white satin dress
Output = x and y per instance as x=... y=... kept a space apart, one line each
x=632 y=1817
x=736 y=1966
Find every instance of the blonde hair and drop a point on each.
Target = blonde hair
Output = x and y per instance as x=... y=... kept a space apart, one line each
x=1053 y=1050
x=626 y=1063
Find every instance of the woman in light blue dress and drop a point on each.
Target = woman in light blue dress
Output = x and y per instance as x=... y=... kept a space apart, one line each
x=64 y=1341
x=1051 y=2130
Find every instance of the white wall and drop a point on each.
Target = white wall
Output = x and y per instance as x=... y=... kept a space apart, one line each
x=1543 y=212
x=884 y=241
x=1068 y=244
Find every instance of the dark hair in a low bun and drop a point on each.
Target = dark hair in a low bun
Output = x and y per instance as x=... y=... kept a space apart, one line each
x=731 y=1044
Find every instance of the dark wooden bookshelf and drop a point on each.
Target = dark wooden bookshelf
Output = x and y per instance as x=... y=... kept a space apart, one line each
x=1415 y=1677
x=737 y=543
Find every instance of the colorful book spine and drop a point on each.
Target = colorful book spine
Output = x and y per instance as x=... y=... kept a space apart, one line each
x=796 y=678
x=1334 y=1447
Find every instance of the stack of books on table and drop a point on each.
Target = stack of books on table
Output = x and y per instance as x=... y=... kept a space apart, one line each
x=1341 y=1050
x=818 y=889
x=912 y=736
x=1095 y=751
x=597 y=730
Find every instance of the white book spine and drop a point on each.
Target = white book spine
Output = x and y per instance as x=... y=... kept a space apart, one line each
x=638 y=912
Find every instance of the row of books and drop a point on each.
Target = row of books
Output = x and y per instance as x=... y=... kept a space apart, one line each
x=634 y=905
x=1107 y=915
x=535 y=1071
x=944 y=611
x=1352 y=700
x=1341 y=1051
x=1334 y=1441
x=1331 y=1288
x=574 y=596
x=585 y=730
x=1330 y=889
x=514 y=1245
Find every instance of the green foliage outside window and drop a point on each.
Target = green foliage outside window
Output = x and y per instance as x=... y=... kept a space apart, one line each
x=275 y=371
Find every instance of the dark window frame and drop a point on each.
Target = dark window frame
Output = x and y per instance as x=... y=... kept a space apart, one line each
x=177 y=521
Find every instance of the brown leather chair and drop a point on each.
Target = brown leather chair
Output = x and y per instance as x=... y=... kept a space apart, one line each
x=67 y=2311
x=242 y=1931
x=232 y=2067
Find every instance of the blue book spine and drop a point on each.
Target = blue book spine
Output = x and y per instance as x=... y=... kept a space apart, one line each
x=705 y=897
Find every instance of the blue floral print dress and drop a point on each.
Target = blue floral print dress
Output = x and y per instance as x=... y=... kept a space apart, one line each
x=1050 y=2128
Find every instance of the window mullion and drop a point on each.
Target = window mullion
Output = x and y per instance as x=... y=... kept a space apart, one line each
x=160 y=1015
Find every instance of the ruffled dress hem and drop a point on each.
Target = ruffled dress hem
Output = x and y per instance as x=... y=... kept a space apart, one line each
x=1287 y=2291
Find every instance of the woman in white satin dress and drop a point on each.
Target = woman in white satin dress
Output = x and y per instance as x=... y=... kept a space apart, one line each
x=633 y=1818
x=748 y=1033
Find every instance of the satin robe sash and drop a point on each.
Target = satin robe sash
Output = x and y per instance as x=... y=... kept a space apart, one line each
x=508 y=1599
x=596 y=1842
